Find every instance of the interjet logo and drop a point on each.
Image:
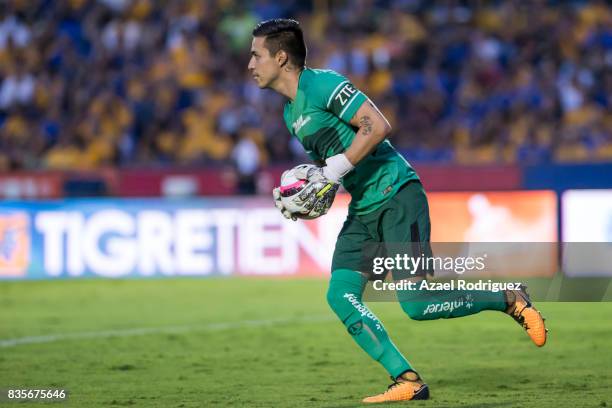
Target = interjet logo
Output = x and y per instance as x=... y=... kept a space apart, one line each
x=449 y=306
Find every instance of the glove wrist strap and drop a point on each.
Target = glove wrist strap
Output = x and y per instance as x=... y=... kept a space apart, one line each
x=337 y=167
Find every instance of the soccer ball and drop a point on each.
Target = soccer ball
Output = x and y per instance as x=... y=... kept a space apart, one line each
x=291 y=187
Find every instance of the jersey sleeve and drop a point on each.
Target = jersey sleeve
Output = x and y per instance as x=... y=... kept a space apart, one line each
x=337 y=95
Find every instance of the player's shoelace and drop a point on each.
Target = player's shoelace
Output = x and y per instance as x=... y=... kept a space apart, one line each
x=393 y=385
x=520 y=319
x=396 y=383
x=516 y=314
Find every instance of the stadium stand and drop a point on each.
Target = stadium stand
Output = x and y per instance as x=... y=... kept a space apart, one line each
x=87 y=84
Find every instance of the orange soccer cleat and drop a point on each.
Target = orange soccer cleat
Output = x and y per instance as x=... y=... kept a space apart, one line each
x=404 y=388
x=523 y=312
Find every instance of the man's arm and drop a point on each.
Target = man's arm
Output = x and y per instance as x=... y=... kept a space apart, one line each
x=372 y=126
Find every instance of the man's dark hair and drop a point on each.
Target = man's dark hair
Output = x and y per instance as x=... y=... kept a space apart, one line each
x=283 y=34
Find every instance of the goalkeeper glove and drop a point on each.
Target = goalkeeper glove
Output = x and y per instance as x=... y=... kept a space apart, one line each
x=278 y=204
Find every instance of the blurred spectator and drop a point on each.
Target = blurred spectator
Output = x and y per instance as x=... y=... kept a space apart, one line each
x=91 y=83
x=245 y=156
x=13 y=32
x=17 y=88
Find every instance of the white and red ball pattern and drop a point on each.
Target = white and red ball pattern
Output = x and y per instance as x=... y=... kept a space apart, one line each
x=290 y=187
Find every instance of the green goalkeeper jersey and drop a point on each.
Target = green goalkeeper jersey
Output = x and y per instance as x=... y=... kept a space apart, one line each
x=319 y=117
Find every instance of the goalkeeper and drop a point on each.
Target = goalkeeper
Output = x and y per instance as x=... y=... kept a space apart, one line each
x=344 y=132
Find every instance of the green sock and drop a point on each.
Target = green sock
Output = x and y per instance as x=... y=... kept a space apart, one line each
x=344 y=297
x=431 y=305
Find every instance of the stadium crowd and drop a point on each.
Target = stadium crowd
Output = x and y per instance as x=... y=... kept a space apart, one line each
x=92 y=83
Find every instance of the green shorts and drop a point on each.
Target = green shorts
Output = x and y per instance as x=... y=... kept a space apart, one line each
x=401 y=225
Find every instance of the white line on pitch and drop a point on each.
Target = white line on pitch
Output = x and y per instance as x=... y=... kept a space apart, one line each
x=50 y=338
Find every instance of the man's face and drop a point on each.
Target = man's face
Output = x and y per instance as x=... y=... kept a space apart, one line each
x=263 y=67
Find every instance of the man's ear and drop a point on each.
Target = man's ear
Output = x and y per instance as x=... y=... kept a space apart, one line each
x=282 y=58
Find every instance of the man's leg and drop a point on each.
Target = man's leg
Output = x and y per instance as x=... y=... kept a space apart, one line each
x=424 y=305
x=344 y=297
x=406 y=221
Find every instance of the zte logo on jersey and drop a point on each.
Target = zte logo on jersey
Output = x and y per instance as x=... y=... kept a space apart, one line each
x=345 y=94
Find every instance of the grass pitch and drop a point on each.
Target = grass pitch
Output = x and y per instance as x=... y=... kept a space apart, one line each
x=275 y=343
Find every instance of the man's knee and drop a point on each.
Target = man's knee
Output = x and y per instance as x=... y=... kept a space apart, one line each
x=413 y=309
x=339 y=299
